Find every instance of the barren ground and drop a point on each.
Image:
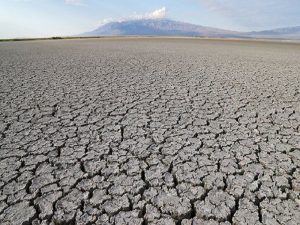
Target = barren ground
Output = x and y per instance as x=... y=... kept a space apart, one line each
x=149 y=131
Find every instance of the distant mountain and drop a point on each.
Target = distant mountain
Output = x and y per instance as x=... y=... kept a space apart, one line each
x=159 y=27
x=167 y=27
x=286 y=32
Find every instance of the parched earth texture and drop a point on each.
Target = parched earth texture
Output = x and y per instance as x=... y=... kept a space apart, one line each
x=149 y=131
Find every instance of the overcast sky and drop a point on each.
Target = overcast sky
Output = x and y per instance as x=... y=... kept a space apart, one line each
x=42 y=18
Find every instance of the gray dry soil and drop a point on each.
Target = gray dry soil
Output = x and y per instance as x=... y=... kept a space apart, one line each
x=149 y=131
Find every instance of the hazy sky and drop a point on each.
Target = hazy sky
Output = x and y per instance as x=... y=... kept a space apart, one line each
x=40 y=18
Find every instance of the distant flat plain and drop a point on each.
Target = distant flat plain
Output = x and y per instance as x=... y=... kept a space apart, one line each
x=139 y=130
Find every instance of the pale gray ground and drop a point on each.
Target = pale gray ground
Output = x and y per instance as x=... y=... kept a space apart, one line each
x=149 y=131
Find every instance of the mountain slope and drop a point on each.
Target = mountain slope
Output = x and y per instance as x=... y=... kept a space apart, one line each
x=167 y=27
x=159 y=27
x=286 y=32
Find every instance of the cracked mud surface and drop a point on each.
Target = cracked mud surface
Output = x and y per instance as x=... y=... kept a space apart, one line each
x=149 y=131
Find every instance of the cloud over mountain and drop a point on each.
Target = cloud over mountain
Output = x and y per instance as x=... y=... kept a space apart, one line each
x=156 y=14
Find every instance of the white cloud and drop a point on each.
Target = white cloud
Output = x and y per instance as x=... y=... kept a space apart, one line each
x=156 y=14
x=73 y=2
